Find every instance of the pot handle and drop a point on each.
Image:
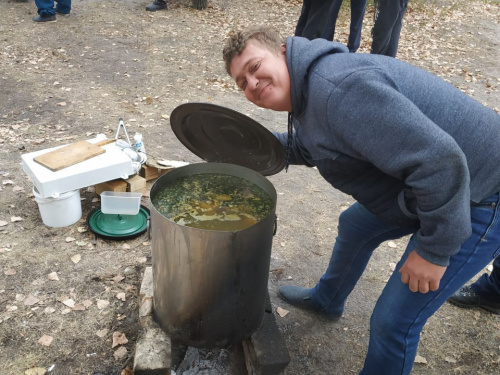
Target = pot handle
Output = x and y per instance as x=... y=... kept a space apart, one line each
x=275 y=224
x=148 y=225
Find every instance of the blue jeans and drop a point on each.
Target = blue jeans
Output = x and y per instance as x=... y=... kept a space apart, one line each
x=357 y=13
x=46 y=7
x=400 y=314
x=488 y=285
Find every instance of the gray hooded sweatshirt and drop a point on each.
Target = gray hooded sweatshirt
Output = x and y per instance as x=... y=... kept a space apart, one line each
x=411 y=148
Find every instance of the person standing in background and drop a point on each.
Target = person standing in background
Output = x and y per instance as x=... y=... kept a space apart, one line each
x=313 y=18
x=46 y=11
x=484 y=293
x=388 y=21
x=357 y=14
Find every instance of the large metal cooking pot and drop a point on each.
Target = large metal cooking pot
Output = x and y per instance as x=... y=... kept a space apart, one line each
x=210 y=287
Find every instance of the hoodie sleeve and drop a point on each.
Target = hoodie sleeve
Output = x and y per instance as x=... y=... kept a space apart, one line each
x=299 y=155
x=390 y=132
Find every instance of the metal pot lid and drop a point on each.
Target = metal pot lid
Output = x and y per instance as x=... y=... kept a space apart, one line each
x=222 y=135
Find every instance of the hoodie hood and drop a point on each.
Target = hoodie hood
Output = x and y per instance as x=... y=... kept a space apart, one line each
x=301 y=55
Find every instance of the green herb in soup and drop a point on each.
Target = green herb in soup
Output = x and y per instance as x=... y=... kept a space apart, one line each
x=213 y=202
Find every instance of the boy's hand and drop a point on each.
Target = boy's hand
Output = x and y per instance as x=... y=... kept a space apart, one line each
x=421 y=275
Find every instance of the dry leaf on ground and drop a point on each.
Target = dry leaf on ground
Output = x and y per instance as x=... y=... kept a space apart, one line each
x=102 y=332
x=35 y=371
x=45 y=340
x=10 y=272
x=420 y=359
x=120 y=353
x=119 y=338
x=282 y=312
x=31 y=300
x=102 y=304
x=69 y=302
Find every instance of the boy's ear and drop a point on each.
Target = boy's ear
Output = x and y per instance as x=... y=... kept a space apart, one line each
x=283 y=49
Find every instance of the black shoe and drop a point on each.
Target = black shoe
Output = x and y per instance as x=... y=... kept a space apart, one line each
x=62 y=14
x=299 y=296
x=156 y=5
x=45 y=18
x=466 y=297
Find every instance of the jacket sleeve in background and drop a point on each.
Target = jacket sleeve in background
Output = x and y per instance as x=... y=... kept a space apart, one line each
x=299 y=155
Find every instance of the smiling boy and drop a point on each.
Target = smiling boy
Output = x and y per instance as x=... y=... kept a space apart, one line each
x=418 y=155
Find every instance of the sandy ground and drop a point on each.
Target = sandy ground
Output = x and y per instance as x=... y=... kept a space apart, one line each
x=67 y=81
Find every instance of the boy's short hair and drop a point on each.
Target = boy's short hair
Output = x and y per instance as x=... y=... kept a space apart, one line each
x=237 y=42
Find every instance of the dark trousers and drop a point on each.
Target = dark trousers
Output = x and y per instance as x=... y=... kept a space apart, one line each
x=357 y=14
x=387 y=26
x=313 y=18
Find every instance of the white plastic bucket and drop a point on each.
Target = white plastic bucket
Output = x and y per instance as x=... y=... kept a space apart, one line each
x=60 y=211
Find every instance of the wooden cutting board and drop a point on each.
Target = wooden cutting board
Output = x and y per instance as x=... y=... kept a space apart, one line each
x=69 y=155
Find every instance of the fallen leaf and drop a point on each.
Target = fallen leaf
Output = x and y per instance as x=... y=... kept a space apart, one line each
x=420 y=359
x=45 y=340
x=120 y=353
x=119 y=338
x=102 y=332
x=81 y=229
x=87 y=303
x=102 y=304
x=53 y=276
x=450 y=360
x=79 y=307
x=76 y=258
x=70 y=239
x=8 y=182
x=118 y=278
x=282 y=312
x=121 y=296
x=15 y=218
x=35 y=371
x=81 y=243
x=49 y=310
x=10 y=272
x=10 y=308
x=3 y=223
x=127 y=371
x=31 y=300
x=69 y=302
x=65 y=311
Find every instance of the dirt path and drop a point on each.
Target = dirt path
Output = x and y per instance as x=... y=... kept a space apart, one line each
x=72 y=79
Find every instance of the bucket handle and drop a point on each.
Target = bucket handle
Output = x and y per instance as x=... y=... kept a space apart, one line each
x=275 y=224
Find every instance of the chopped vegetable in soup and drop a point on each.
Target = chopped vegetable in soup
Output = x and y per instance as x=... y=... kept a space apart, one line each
x=213 y=202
